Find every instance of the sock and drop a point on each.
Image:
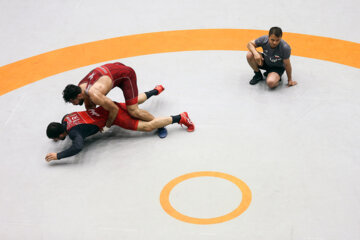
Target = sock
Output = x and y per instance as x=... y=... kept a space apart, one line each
x=176 y=119
x=257 y=73
x=151 y=93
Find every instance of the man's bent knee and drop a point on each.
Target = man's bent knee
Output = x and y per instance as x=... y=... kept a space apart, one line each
x=273 y=80
x=249 y=55
x=273 y=83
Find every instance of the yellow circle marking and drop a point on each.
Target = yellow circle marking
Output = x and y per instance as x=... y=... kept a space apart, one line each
x=29 y=70
x=244 y=204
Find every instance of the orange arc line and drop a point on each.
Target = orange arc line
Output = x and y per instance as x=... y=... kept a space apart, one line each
x=166 y=205
x=29 y=70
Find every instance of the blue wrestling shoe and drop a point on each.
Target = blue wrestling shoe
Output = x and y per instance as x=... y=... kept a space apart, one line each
x=162 y=132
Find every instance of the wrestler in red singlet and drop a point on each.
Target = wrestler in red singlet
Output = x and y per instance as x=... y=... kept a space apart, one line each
x=98 y=117
x=122 y=76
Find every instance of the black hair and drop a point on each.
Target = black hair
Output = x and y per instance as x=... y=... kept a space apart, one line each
x=276 y=31
x=70 y=92
x=54 y=130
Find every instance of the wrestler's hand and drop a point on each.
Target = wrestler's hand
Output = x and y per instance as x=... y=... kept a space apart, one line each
x=104 y=129
x=259 y=59
x=291 y=83
x=51 y=156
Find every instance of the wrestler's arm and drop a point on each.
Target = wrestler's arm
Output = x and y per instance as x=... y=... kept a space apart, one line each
x=100 y=99
x=76 y=147
x=257 y=56
x=288 y=69
x=252 y=46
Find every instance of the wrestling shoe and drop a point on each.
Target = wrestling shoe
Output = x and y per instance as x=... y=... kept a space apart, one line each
x=257 y=78
x=159 y=88
x=186 y=121
x=162 y=132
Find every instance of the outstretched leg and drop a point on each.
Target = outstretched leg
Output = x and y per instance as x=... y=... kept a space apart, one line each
x=154 y=124
x=251 y=60
x=182 y=118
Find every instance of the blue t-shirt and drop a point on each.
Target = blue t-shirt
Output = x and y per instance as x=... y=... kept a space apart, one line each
x=273 y=57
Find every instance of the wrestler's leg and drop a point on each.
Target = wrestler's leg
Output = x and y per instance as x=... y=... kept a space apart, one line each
x=138 y=113
x=142 y=98
x=251 y=61
x=134 y=110
x=182 y=119
x=273 y=79
x=154 y=124
x=255 y=66
x=131 y=100
x=146 y=95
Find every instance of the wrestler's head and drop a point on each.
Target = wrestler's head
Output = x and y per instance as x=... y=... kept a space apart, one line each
x=73 y=94
x=275 y=35
x=56 y=131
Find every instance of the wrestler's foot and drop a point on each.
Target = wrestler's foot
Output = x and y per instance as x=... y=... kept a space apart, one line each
x=186 y=121
x=162 y=132
x=159 y=88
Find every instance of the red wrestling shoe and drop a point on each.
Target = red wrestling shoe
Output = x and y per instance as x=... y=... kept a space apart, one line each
x=186 y=121
x=160 y=88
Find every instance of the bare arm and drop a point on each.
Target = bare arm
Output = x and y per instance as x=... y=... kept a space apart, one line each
x=100 y=99
x=252 y=48
x=288 y=70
